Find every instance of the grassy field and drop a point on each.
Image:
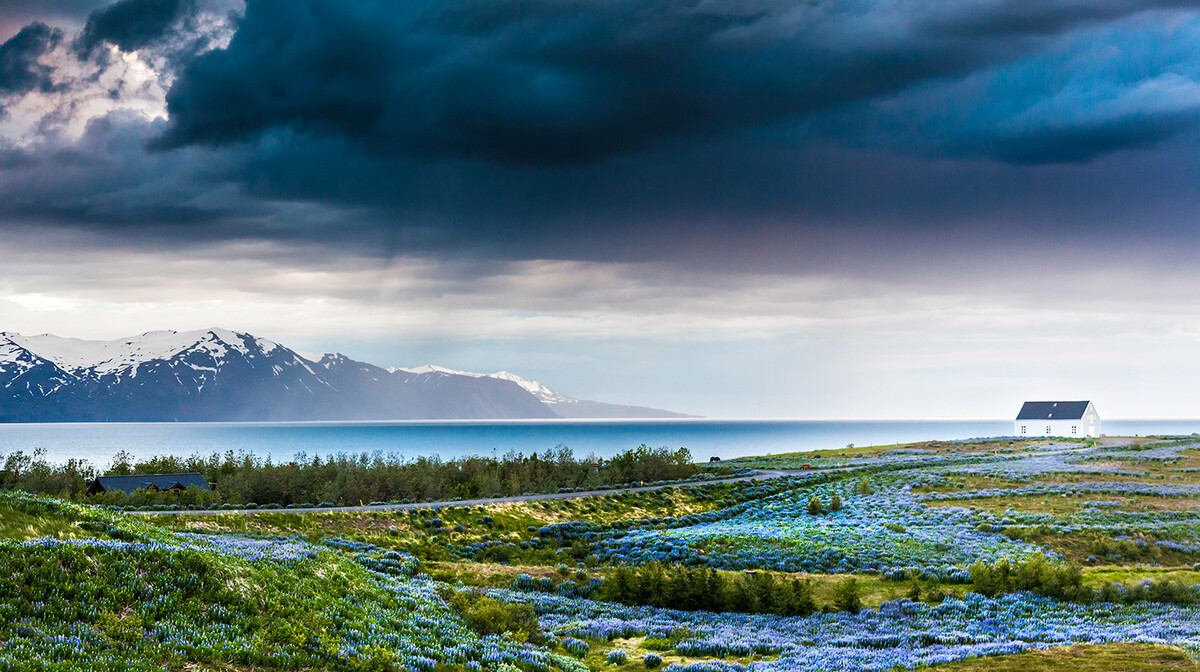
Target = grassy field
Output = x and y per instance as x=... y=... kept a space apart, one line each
x=1082 y=658
x=295 y=590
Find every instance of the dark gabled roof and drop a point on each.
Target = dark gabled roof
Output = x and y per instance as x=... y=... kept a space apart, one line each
x=1053 y=410
x=128 y=484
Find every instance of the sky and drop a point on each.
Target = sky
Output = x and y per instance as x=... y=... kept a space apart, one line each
x=765 y=208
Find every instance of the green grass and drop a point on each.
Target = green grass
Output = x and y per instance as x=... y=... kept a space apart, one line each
x=1080 y=658
x=1066 y=505
x=21 y=526
x=409 y=530
x=970 y=482
x=252 y=609
x=1099 y=576
x=145 y=605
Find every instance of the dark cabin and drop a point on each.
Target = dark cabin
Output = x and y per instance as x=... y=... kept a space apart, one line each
x=130 y=484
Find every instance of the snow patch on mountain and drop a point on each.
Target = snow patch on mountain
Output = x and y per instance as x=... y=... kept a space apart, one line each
x=431 y=368
x=13 y=357
x=10 y=353
x=125 y=354
x=543 y=393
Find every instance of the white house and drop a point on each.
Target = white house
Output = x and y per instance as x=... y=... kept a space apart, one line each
x=1057 y=418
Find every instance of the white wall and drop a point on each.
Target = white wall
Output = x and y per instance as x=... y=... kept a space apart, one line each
x=1057 y=427
x=1091 y=420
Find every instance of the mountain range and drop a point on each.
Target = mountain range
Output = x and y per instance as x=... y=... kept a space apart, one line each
x=221 y=375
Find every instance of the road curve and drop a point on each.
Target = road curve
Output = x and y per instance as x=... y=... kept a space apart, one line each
x=758 y=475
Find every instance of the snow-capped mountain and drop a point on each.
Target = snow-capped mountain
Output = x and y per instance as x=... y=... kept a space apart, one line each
x=562 y=405
x=222 y=375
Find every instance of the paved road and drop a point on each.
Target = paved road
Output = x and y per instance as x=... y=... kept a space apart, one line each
x=758 y=475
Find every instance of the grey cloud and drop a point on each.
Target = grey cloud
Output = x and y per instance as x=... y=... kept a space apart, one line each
x=20 y=71
x=131 y=24
x=992 y=18
x=70 y=14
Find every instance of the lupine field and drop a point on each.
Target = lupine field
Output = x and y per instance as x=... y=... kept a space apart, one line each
x=954 y=555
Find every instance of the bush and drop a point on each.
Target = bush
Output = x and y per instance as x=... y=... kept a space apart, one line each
x=835 y=502
x=652 y=661
x=616 y=657
x=864 y=486
x=487 y=616
x=846 y=595
x=1168 y=591
x=815 y=506
x=1063 y=581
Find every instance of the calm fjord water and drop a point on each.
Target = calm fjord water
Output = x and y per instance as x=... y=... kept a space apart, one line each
x=705 y=438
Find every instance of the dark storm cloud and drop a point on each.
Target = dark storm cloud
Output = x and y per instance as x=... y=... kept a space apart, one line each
x=20 y=71
x=725 y=134
x=541 y=82
x=547 y=82
x=130 y=24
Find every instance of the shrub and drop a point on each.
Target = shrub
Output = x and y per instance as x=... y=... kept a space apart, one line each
x=616 y=657
x=652 y=661
x=1168 y=591
x=1063 y=581
x=487 y=616
x=846 y=595
x=815 y=506
x=835 y=502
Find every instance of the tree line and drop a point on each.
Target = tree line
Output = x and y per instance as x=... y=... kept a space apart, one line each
x=347 y=478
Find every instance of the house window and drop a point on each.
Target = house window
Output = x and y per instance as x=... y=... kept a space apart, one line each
x=1047 y=429
x=1072 y=429
x=1022 y=430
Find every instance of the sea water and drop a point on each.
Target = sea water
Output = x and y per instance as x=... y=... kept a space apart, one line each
x=98 y=442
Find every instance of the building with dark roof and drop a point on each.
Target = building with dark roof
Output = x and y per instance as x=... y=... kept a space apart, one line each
x=130 y=484
x=1057 y=418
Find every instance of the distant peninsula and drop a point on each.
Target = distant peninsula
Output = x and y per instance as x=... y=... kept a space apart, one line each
x=218 y=375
